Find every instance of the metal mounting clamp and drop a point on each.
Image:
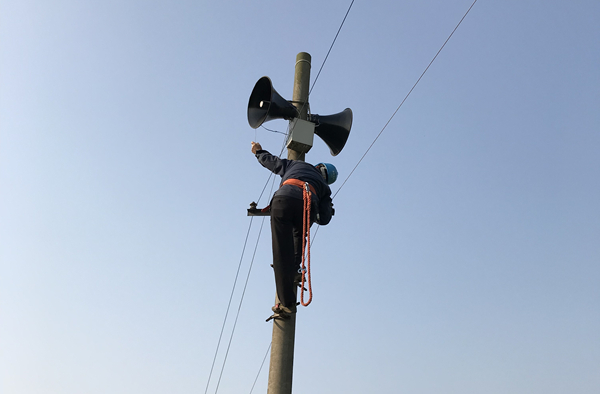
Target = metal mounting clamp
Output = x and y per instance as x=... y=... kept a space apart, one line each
x=253 y=211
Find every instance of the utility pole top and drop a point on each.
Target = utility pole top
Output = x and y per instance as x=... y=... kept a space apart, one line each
x=300 y=95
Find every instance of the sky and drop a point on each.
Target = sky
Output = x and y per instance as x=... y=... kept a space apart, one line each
x=464 y=253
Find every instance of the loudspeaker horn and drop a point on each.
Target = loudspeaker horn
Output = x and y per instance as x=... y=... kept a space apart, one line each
x=333 y=129
x=266 y=104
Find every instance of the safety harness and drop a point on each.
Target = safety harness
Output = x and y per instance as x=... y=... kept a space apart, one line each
x=307 y=190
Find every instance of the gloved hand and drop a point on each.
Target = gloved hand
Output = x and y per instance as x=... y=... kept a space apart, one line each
x=256 y=147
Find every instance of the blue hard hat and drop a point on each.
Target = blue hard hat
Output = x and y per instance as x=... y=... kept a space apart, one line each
x=328 y=171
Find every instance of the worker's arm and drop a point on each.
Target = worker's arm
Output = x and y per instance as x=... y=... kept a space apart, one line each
x=325 y=209
x=267 y=160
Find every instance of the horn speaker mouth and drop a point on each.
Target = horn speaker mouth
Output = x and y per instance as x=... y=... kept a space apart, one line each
x=266 y=104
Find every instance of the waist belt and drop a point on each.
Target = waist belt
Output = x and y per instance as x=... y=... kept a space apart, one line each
x=300 y=184
x=295 y=182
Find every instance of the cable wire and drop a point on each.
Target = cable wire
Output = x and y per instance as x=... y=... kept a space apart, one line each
x=239 y=307
x=406 y=97
x=261 y=366
x=243 y=294
x=330 y=48
x=272 y=131
x=235 y=284
x=271 y=174
x=228 y=306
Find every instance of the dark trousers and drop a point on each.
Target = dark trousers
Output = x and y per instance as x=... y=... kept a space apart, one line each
x=286 y=231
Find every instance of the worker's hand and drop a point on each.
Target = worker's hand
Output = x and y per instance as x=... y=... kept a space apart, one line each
x=256 y=147
x=332 y=210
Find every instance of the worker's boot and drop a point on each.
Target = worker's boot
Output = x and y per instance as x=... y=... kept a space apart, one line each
x=283 y=310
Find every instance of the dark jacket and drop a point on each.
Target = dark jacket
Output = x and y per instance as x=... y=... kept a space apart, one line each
x=306 y=172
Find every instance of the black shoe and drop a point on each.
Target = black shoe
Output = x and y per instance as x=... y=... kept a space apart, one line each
x=284 y=310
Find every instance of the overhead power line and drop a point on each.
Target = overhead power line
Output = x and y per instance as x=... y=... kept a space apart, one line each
x=239 y=306
x=406 y=97
x=232 y=292
x=273 y=131
x=330 y=48
x=261 y=366
x=228 y=306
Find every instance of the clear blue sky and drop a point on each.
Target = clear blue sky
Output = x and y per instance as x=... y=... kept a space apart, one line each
x=464 y=254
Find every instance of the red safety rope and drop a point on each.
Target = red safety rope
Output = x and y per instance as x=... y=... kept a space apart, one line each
x=306 y=246
x=306 y=196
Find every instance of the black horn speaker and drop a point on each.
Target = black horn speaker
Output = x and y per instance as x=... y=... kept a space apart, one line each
x=333 y=129
x=266 y=104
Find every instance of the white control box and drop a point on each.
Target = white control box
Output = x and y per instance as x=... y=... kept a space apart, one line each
x=302 y=133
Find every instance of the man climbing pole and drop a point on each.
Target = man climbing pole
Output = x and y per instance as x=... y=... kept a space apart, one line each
x=298 y=179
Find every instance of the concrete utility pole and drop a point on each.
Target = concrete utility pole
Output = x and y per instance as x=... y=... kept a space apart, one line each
x=284 y=330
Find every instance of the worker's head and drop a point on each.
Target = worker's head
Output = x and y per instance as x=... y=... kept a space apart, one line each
x=328 y=171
